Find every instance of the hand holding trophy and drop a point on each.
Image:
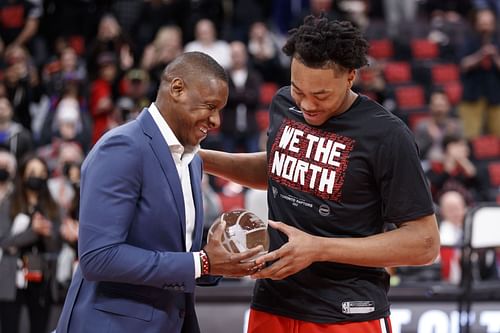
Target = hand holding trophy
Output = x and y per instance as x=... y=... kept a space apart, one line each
x=235 y=239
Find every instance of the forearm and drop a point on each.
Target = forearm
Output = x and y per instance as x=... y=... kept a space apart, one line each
x=129 y=264
x=468 y=167
x=413 y=243
x=247 y=169
x=28 y=32
x=471 y=61
x=22 y=239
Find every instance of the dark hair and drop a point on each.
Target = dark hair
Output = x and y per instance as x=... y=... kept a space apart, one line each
x=451 y=138
x=320 y=42
x=20 y=204
x=196 y=64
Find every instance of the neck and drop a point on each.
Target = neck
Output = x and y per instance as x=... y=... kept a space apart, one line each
x=349 y=99
x=32 y=198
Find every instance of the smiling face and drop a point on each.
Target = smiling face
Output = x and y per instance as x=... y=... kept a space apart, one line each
x=321 y=93
x=195 y=107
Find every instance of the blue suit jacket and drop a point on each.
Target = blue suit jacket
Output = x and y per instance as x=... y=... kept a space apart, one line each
x=135 y=274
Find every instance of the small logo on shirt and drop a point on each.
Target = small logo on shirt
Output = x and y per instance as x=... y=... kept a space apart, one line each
x=275 y=192
x=358 y=307
x=294 y=109
x=324 y=210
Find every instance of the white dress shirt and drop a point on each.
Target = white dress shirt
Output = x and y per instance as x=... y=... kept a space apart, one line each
x=182 y=157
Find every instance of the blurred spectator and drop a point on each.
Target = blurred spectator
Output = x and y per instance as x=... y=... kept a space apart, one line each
x=356 y=11
x=67 y=69
x=429 y=133
x=457 y=172
x=244 y=14
x=212 y=10
x=13 y=136
x=399 y=15
x=19 y=23
x=22 y=83
x=156 y=14
x=370 y=81
x=493 y=5
x=68 y=257
x=34 y=242
x=102 y=107
x=110 y=39
x=239 y=124
x=452 y=209
x=67 y=123
x=480 y=65
x=166 y=46
x=61 y=186
x=8 y=259
x=447 y=24
x=134 y=95
x=206 y=41
x=329 y=8
x=264 y=49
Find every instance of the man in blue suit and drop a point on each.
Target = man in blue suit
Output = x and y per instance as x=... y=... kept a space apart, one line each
x=141 y=213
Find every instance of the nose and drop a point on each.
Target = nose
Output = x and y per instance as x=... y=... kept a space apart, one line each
x=214 y=120
x=306 y=105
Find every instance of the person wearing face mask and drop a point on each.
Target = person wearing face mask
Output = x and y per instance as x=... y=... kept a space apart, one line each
x=7 y=259
x=33 y=242
x=60 y=185
x=64 y=187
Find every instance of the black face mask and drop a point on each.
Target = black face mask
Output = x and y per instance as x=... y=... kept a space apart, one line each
x=4 y=175
x=35 y=183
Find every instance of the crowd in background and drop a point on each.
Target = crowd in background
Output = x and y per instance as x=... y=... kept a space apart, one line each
x=71 y=70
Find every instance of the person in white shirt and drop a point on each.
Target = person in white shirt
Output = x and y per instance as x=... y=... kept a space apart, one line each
x=453 y=209
x=206 y=41
x=141 y=214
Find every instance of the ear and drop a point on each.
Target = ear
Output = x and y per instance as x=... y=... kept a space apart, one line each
x=177 y=87
x=351 y=75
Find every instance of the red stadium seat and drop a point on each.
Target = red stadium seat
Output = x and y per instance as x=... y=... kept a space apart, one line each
x=454 y=91
x=410 y=97
x=414 y=118
x=397 y=72
x=77 y=42
x=262 y=117
x=381 y=48
x=442 y=73
x=494 y=172
x=267 y=91
x=424 y=49
x=486 y=147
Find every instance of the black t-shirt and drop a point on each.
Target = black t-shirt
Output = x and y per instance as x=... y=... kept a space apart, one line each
x=345 y=178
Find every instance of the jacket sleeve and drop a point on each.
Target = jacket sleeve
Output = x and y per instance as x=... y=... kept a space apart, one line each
x=110 y=190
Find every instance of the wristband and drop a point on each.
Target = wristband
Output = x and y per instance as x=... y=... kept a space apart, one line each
x=205 y=263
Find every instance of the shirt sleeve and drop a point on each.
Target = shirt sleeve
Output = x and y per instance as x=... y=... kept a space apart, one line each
x=197 y=265
x=403 y=186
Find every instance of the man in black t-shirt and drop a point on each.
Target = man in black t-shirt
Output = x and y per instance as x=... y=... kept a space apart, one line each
x=338 y=167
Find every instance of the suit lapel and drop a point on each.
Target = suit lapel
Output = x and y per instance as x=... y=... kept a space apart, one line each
x=194 y=172
x=164 y=156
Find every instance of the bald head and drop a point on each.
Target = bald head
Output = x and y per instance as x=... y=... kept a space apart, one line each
x=192 y=65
